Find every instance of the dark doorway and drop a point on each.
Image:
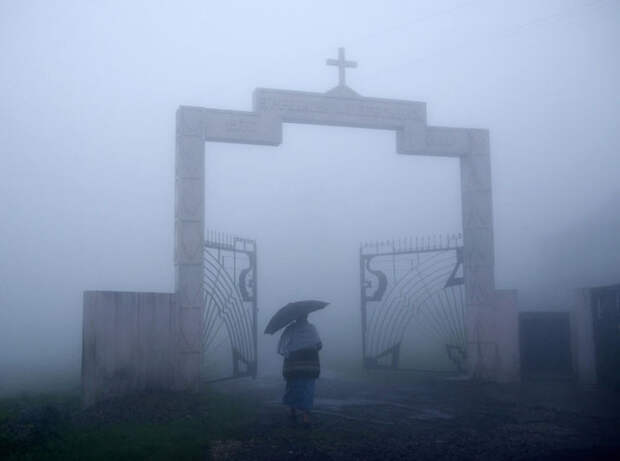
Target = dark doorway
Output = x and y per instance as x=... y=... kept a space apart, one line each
x=544 y=339
x=606 y=325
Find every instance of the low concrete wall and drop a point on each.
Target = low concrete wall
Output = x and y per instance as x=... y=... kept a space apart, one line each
x=507 y=325
x=128 y=343
x=497 y=357
x=584 y=357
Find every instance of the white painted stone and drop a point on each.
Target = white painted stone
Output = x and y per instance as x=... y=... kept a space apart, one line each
x=190 y=157
x=478 y=248
x=189 y=237
x=411 y=139
x=189 y=199
x=479 y=286
x=489 y=353
x=190 y=329
x=477 y=215
x=479 y=141
x=476 y=172
x=189 y=285
x=447 y=140
x=318 y=108
x=419 y=139
x=190 y=122
x=242 y=127
x=477 y=209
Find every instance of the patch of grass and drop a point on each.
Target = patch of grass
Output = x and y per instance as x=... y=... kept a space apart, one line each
x=150 y=426
x=126 y=441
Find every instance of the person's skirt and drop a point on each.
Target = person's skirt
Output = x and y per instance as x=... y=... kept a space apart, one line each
x=299 y=393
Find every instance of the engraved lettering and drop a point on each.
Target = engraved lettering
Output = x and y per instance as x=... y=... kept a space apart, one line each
x=320 y=106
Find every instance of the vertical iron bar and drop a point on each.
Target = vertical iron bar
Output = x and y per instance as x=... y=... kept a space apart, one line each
x=255 y=310
x=393 y=262
x=363 y=306
x=234 y=249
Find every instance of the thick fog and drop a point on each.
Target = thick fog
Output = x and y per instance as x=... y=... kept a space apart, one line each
x=88 y=94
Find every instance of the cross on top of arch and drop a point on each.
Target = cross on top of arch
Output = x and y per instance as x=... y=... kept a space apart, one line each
x=342 y=64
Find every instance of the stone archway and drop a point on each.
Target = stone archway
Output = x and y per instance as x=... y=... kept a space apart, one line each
x=340 y=106
x=133 y=341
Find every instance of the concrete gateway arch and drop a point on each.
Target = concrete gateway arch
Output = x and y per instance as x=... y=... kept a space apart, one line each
x=133 y=341
x=340 y=106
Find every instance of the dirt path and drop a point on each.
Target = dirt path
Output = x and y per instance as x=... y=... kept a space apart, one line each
x=391 y=418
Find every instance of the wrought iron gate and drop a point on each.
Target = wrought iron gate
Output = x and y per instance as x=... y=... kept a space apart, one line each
x=412 y=280
x=229 y=328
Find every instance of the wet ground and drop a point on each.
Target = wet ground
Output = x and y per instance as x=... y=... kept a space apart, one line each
x=374 y=417
x=397 y=417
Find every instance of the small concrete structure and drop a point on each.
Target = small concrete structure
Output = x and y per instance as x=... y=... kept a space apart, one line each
x=578 y=306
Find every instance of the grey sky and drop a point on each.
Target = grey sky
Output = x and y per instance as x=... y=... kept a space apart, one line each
x=88 y=93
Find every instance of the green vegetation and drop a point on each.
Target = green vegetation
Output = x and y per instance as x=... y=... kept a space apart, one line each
x=145 y=426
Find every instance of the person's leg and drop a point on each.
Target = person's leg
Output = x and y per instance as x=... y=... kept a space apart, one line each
x=289 y=400
x=308 y=403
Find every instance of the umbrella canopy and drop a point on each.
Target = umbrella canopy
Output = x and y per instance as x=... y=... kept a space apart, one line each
x=291 y=312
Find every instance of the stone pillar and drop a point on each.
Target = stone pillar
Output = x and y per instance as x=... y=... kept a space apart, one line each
x=478 y=254
x=189 y=237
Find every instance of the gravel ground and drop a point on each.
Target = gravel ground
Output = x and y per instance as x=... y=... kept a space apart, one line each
x=390 y=418
x=376 y=417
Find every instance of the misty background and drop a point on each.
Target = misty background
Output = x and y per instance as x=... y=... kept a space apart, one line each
x=88 y=94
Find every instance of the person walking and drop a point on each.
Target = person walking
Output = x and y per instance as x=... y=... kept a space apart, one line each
x=300 y=345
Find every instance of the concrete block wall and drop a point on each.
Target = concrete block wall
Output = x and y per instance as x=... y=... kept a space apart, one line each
x=582 y=337
x=494 y=339
x=506 y=322
x=128 y=343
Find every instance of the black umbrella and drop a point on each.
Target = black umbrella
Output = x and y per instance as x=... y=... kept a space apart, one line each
x=291 y=312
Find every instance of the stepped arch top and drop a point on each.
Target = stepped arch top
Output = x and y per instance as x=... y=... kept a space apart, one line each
x=341 y=106
x=272 y=108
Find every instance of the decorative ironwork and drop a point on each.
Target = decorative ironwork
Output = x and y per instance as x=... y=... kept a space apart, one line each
x=230 y=297
x=409 y=280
